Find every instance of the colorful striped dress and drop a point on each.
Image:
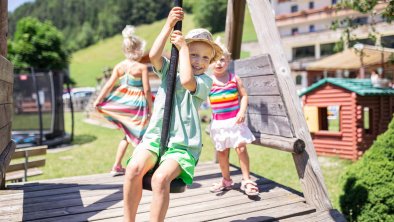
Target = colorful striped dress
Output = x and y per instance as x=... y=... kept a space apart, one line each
x=224 y=100
x=127 y=108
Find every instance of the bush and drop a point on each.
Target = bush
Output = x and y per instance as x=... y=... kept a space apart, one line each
x=368 y=185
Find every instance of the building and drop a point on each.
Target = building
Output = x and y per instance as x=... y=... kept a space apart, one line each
x=345 y=116
x=304 y=26
x=354 y=63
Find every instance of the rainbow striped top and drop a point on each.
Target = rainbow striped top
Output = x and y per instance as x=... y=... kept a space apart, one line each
x=224 y=99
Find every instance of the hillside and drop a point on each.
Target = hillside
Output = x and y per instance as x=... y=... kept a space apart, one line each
x=84 y=22
x=89 y=63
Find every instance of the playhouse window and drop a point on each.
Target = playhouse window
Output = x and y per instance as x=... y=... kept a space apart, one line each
x=298 y=79
x=367 y=120
x=329 y=118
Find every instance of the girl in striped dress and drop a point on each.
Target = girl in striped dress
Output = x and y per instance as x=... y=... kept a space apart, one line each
x=129 y=106
x=229 y=101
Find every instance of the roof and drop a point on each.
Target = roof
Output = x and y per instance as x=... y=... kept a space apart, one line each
x=350 y=59
x=362 y=87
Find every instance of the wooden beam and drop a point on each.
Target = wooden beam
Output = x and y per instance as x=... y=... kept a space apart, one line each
x=307 y=166
x=30 y=164
x=3 y=27
x=234 y=26
x=5 y=159
x=292 y=145
x=29 y=152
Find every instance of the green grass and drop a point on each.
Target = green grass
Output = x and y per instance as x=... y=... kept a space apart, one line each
x=249 y=34
x=30 y=121
x=94 y=150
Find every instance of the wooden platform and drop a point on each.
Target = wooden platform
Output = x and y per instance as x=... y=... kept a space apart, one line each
x=99 y=197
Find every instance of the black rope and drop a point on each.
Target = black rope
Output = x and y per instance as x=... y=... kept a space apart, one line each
x=177 y=185
x=171 y=82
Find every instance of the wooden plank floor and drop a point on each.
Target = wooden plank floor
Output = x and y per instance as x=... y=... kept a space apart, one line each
x=99 y=197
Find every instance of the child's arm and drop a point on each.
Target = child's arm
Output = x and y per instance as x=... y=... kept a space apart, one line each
x=108 y=86
x=175 y=15
x=244 y=101
x=146 y=86
x=185 y=68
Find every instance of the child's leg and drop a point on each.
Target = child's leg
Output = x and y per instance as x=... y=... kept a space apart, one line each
x=223 y=157
x=122 y=147
x=249 y=187
x=243 y=160
x=139 y=165
x=168 y=170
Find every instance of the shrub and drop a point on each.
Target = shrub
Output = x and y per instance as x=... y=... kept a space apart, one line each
x=368 y=185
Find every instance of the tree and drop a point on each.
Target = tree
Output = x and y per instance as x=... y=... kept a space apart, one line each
x=38 y=45
x=349 y=24
x=105 y=17
x=368 y=184
x=211 y=14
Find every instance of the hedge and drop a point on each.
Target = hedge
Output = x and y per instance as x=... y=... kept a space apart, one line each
x=368 y=184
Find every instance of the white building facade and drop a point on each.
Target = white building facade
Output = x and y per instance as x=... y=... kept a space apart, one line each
x=305 y=29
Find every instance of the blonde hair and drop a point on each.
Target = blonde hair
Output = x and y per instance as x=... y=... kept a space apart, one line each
x=226 y=53
x=133 y=46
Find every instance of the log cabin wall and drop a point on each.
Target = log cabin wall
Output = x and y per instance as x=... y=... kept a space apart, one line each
x=379 y=112
x=340 y=143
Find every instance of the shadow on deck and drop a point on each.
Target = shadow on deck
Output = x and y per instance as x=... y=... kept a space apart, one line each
x=100 y=197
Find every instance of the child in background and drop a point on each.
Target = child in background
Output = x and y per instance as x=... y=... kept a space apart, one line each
x=196 y=52
x=128 y=106
x=229 y=100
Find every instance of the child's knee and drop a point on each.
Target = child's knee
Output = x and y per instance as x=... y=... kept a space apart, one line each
x=160 y=181
x=241 y=148
x=133 y=171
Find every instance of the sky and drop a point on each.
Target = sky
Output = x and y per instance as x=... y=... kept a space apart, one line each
x=13 y=4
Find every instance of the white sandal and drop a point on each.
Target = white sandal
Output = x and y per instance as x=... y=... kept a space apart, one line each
x=249 y=187
x=222 y=186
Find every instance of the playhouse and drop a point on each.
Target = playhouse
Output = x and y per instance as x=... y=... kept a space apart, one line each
x=345 y=116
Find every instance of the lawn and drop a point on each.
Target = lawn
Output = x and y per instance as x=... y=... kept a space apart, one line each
x=94 y=150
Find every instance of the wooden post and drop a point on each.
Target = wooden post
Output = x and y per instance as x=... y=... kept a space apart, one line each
x=307 y=166
x=7 y=146
x=3 y=27
x=234 y=26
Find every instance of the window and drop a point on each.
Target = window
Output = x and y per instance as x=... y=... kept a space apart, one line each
x=304 y=52
x=360 y=21
x=367 y=41
x=298 y=80
x=312 y=28
x=311 y=5
x=388 y=41
x=333 y=2
x=329 y=118
x=294 y=8
x=327 y=49
x=367 y=120
x=294 y=31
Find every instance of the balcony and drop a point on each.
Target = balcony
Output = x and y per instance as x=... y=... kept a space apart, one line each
x=315 y=15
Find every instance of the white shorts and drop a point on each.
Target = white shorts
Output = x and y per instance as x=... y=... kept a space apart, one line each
x=227 y=134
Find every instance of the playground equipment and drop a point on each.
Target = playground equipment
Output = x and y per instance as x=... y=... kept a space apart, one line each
x=275 y=115
x=7 y=146
x=38 y=109
x=177 y=185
